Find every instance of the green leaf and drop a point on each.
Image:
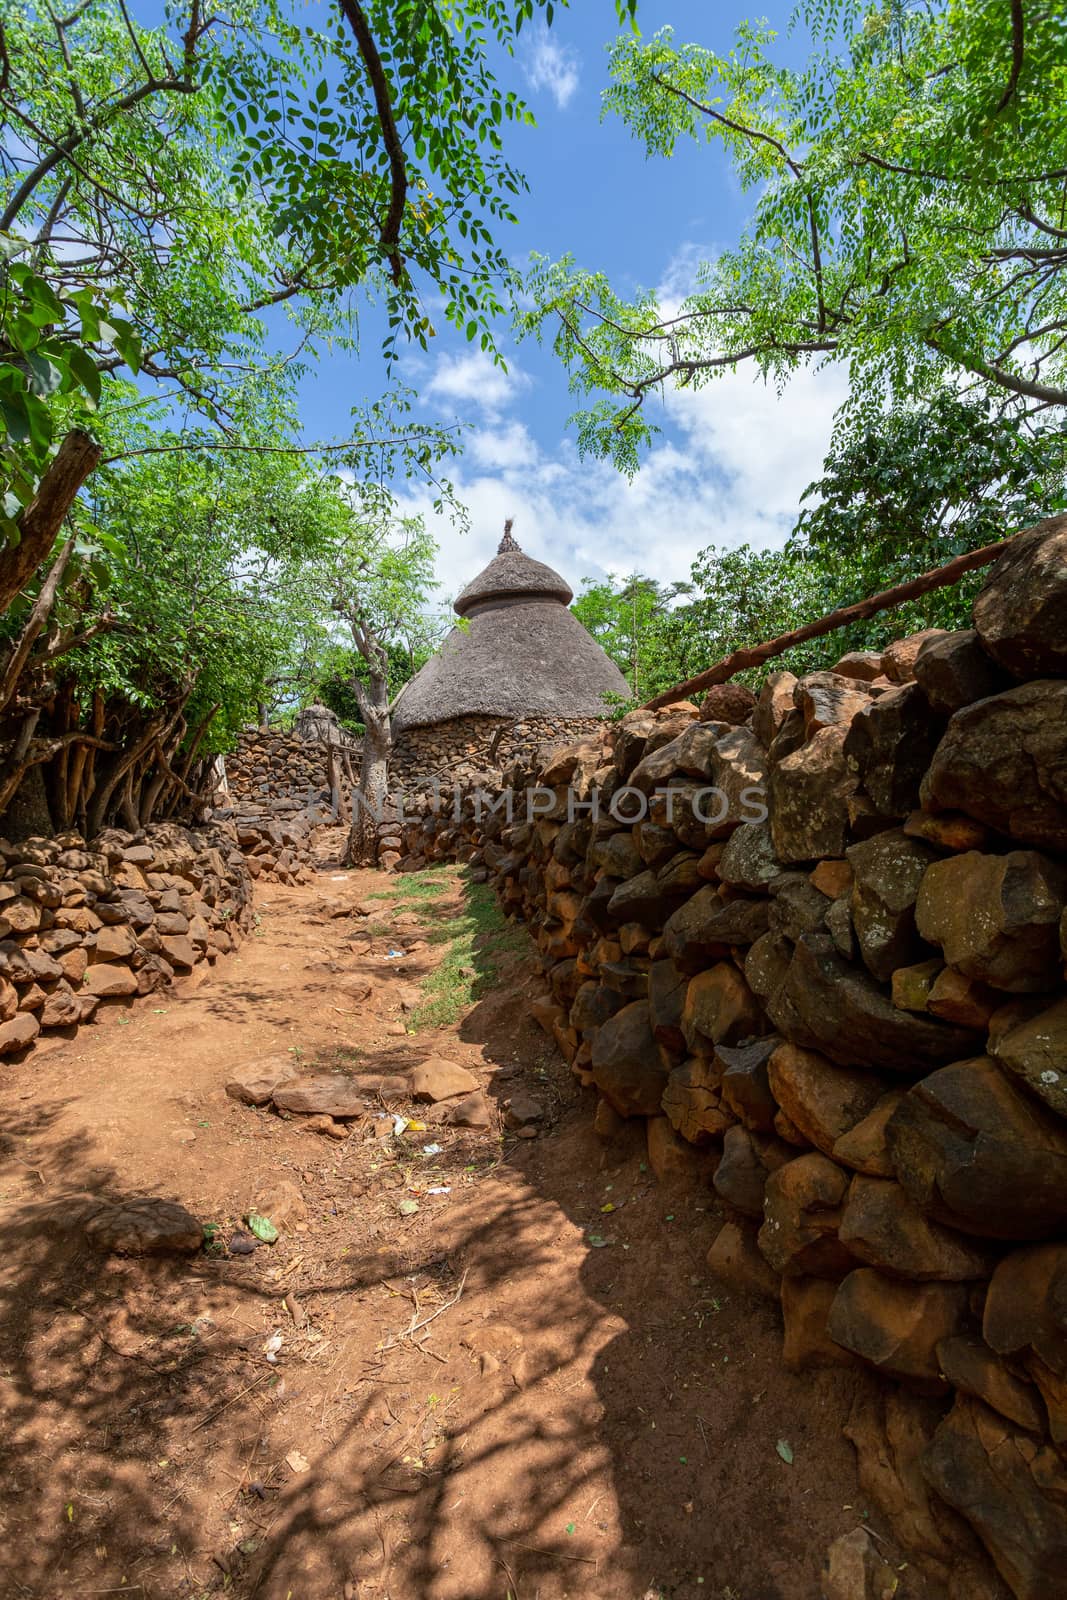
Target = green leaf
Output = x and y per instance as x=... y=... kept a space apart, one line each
x=262 y=1227
x=46 y=376
x=85 y=371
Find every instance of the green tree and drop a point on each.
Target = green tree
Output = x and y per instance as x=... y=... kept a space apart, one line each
x=163 y=188
x=908 y=215
x=183 y=597
x=378 y=575
x=631 y=619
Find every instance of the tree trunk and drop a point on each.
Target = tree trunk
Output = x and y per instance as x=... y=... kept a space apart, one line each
x=369 y=800
x=42 y=519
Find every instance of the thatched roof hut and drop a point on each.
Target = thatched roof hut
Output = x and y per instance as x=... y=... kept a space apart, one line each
x=523 y=653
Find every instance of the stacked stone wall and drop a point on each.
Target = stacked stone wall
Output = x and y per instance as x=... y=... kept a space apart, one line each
x=850 y=1019
x=269 y=767
x=88 y=924
x=458 y=749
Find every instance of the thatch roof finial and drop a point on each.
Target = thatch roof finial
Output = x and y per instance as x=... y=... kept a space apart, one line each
x=507 y=545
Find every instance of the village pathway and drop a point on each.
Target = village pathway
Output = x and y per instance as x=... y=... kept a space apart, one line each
x=497 y=1370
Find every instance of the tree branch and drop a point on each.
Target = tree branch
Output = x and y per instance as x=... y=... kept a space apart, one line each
x=42 y=519
x=754 y=656
x=1017 y=51
x=394 y=149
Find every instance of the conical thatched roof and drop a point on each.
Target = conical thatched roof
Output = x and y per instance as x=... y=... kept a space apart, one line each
x=522 y=654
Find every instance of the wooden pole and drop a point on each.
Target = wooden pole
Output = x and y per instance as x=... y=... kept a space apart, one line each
x=756 y=655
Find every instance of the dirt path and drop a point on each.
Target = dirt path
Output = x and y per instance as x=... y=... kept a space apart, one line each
x=583 y=1412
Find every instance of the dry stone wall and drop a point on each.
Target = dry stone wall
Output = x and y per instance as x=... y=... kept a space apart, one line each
x=849 y=1017
x=85 y=924
x=462 y=747
x=268 y=767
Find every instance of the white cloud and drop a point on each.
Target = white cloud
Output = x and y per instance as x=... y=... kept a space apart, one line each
x=549 y=65
x=730 y=471
x=503 y=449
x=474 y=380
x=729 y=468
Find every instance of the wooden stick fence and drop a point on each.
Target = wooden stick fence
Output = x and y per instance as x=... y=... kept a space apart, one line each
x=756 y=655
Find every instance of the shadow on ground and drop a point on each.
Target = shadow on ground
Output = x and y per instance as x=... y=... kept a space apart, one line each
x=538 y=1392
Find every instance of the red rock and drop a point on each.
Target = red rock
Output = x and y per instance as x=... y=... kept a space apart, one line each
x=911 y=985
x=334 y=1094
x=826 y=700
x=672 y=1159
x=719 y=1008
x=969 y=1365
x=731 y=703
x=822 y=1100
x=947 y=830
x=114 y=944
x=439 y=1079
x=21 y=1031
x=666 y=998
x=802 y=1212
x=1020 y=613
x=61 y=1008
x=888 y=871
x=809 y=789
x=831 y=1005
x=1025 y=1319
x=864 y=1147
x=626 y=1065
x=884 y=1227
x=1030 y=1041
x=741 y=1177
x=806 y=1306
x=898 y=660
x=735 y=1259
x=745 y=1087
x=747 y=861
x=897 y=1326
x=472 y=1112
x=144 y=1227
x=889 y=747
x=996 y=918
x=953 y=670
x=832 y=878
x=956 y=998
x=854 y=1570
x=706 y=926
x=774 y=704
x=109 y=981
x=691 y=1101
x=980 y=1155
x=1001 y=761
x=1011 y=1489
x=255 y=1084
x=862 y=664
x=891 y=1429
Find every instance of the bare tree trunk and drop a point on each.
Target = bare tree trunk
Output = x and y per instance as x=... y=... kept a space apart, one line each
x=41 y=611
x=42 y=519
x=369 y=800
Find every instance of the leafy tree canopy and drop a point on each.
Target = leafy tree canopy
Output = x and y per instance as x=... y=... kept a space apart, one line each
x=162 y=189
x=908 y=214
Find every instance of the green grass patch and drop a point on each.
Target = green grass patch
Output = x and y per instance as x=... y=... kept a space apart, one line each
x=410 y=890
x=477 y=939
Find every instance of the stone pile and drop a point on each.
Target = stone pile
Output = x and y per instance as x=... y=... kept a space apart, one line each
x=333 y=1102
x=835 y=990
x=278 y=840
x=115 y=918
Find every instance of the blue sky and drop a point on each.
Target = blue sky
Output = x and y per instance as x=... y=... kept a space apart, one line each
x=732 y=460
